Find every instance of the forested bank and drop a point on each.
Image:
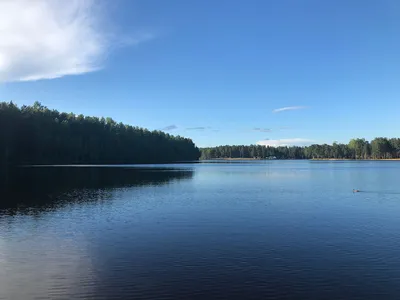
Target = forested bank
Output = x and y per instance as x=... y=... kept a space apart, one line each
x=37 y=135
x=378 y=148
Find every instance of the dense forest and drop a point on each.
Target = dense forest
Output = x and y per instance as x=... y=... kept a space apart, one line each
x=37 y=135
x=378 y=148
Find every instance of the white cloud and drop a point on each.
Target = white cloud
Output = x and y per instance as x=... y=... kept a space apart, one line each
x=288 y=108
x=286 y=142
x=44 y=39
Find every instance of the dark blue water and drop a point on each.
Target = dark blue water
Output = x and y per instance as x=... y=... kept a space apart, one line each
x=253 y=230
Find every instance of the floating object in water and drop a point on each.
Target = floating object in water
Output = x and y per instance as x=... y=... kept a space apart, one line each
x=356 y=191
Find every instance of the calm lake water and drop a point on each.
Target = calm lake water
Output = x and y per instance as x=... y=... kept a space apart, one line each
x=251 y=230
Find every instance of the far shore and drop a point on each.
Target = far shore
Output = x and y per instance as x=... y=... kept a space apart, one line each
x=368 y=159
x=313 y=159
x=234 y=158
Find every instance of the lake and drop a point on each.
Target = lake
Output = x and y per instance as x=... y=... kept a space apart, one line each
x=229 y=230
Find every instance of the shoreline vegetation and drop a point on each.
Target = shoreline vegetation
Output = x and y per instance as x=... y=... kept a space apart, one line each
x=312 y=159
x=380 y=148
x=361 y=159
x=36 y=135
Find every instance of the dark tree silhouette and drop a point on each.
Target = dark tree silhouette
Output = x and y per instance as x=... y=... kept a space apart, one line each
x=38 y=135
x=378 y=148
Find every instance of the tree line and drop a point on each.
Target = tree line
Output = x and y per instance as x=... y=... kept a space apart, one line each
x=378 y=148
x=37 y=135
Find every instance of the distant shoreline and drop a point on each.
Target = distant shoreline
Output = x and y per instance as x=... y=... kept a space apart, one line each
x=234 y=158
x=368 y=159
x=313 y=159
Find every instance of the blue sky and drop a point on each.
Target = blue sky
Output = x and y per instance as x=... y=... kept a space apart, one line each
x=213 y=71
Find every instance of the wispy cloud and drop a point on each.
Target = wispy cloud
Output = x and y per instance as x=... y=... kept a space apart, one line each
x=262 y=129
x=196 y=128
x=44 y=39
x=288 y=108
x=136 y=38
x=286 y=142
x=169 y=128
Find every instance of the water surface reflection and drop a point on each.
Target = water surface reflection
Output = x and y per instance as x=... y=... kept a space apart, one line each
x=28 y=189
x=268 y=230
